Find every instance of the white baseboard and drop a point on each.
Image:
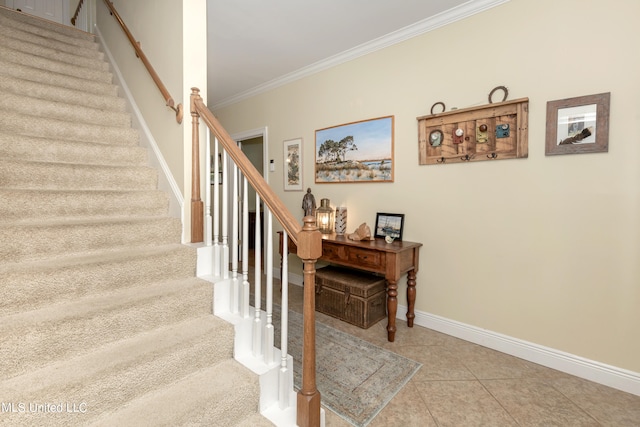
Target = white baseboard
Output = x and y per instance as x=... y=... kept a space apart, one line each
x=601 y=373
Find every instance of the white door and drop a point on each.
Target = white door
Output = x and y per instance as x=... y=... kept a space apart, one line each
x=52 y=10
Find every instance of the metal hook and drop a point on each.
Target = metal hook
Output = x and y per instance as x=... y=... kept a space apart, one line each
x=442 y=160
x=466 y=158
x=493 y=156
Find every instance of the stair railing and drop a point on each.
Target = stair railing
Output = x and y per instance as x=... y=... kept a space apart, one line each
x=140 y=54
x=79 y=15
x=84 y=16
x=213 y=221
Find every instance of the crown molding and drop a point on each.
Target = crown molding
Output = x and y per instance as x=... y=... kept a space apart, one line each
x=458 y=13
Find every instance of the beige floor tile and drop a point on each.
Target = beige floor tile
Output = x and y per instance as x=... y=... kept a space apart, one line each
x=485 y=363
x=533 y=402
x=406 y=409
x=609 y=406
x=334 y=420
x=462 y=404
x=438 y=363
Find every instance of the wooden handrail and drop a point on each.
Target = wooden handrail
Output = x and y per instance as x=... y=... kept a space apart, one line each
x=136 y=45
x=75 y=15
x=268 y=196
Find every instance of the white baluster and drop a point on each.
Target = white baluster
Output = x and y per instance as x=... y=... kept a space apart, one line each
x=244 y=310
x=235 y=292
x=257 y=321
x=269 y=331
x=284 y=387
x=217 y=257
x=207 y=192
x=225 y=218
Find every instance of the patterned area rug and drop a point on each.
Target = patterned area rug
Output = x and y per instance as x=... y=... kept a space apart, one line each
x=356 y=379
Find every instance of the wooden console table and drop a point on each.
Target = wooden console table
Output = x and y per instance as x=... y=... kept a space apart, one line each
x=377 y=256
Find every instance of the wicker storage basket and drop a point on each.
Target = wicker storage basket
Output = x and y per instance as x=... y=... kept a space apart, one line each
x=356 y=297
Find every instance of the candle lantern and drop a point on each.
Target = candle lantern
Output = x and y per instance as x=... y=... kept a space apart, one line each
x=324 y=217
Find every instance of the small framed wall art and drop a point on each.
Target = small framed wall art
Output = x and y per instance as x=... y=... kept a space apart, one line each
x=578 y=125
x=293 y=165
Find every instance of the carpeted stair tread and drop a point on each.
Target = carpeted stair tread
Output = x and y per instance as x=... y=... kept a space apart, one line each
x=89 y=50
x=60 y=129
x=78 y=98
x=108 y=377
x=29 y=73
x=33 y=339
x=30 y=285
x=27 y=105
x=222 y=396
x=43 y=175
x=33 y=148
x=17 y=204
x=35 y=240
x=52 y=65
x=95 y=62
x=45 y=28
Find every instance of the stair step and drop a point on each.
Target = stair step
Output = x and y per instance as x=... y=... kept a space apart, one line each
x=45 y=28
x=90 y=51
x=87 y=50
x=222 y=397
x=11 y=122
x=70 y=176
x=27 y=205
x=29 y=148
x=32 y=89
x=95 y=62
x=33 y=339
x=33 y=74
x=30 y=285
x=54 y=66
x=109 y=377
x=36 y=108
x=37 y=240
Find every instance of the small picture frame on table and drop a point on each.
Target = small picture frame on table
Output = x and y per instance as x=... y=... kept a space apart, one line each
x=389 y=226
x=578 y=125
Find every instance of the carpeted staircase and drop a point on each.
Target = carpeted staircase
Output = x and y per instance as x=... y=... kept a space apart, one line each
x=102 y=320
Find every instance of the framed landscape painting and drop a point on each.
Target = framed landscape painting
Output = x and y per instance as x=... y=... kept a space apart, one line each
x=355 y=152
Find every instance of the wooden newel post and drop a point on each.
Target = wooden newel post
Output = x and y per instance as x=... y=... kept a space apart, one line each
x=309 y=250
x=197 y=207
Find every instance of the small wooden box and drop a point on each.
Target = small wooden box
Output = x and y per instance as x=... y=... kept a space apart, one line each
x=356 y=297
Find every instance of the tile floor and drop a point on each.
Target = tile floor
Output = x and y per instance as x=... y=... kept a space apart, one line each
x=463 y=384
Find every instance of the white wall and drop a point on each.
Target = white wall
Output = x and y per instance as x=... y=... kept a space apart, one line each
x=543 y=249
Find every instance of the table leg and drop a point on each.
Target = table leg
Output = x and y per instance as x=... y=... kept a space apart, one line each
x=411 y=297
x=392 y=309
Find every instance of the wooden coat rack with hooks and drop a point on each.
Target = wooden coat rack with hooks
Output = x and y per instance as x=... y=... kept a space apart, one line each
x=495 y=131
